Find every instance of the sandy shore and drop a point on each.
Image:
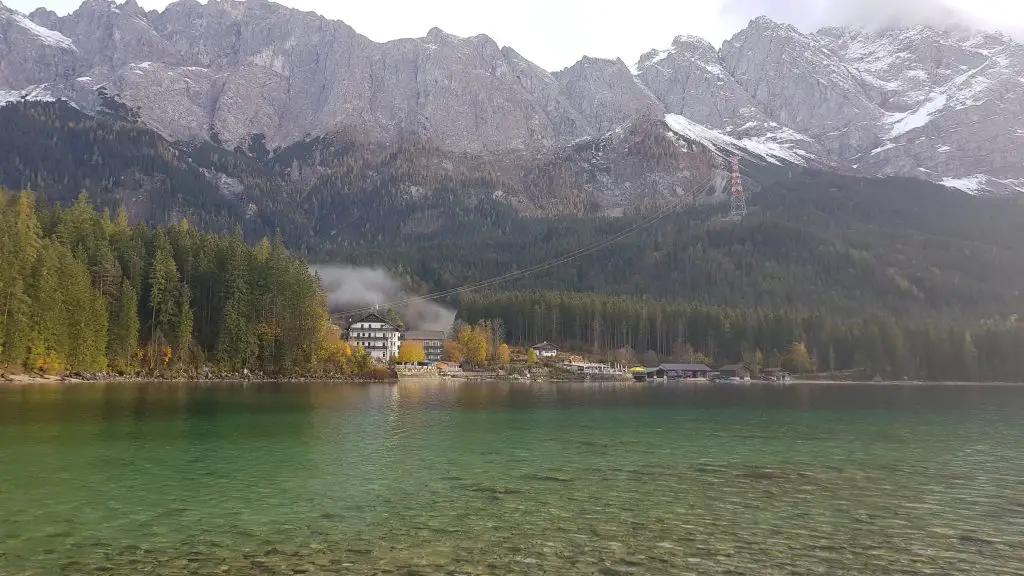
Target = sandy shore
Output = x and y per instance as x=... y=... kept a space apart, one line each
x=21 y=379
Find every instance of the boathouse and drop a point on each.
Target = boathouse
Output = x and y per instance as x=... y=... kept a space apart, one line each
x=738 y=371
x=686 y=371
x=674 y=372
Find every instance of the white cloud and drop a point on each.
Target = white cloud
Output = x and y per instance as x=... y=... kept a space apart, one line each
x=809 y=15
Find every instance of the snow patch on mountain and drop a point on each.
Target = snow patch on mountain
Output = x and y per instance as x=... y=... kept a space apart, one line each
x=650 y=59
x=983 y=184
x=903 y=123
x=47 y=36
x=961 y=93
x=772 y=147
x=38 y=93
x=970 y=184
x=883 y=148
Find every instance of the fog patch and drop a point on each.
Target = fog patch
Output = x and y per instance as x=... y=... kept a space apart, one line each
x=811 y=15
x=354 y=287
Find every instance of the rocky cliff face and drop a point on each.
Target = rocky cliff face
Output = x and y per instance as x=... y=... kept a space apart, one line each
x=952 y=103
x=944 y=105
x=240 y=68
x=937 y=104
x=31 y=54
x=800 y=84
x=605 y=93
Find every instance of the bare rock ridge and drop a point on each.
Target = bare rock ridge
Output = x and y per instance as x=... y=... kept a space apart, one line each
x=605 y=93
x=258 y=67
x=945 y=105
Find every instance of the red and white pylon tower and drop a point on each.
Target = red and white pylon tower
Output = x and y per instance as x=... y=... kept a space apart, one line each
x=739 y=200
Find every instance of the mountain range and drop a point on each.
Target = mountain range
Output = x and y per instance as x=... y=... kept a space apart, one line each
x=937 y=104
x=449 y=160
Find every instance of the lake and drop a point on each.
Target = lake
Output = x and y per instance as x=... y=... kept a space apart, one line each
x=499 y=478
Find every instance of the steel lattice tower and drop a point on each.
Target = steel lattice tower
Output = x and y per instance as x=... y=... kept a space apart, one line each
x=739 y=200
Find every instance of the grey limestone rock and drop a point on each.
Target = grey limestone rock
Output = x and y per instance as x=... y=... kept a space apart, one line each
x=940 y=104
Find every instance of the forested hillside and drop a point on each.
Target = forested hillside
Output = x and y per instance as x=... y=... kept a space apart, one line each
x=84 y=292
x=624 y=328
x=812 y=241
x=59 y=152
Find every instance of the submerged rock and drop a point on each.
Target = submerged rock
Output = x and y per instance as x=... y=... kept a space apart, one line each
x=765 y=474
x=549 y=477
x=974 y=541
x=494 y=489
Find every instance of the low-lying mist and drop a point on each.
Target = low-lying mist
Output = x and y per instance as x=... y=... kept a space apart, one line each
x=353 y=287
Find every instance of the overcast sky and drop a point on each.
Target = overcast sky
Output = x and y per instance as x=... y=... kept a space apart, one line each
x=556 y=33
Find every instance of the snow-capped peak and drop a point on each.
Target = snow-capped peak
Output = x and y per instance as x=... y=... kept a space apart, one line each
x=691 y=47
x=650 y=59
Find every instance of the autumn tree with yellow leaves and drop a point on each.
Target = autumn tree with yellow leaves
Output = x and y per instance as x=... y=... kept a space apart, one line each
x=479 y=344
x=411 y=352
x=504 y=355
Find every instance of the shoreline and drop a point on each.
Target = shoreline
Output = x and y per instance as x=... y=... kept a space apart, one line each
x=19 y=380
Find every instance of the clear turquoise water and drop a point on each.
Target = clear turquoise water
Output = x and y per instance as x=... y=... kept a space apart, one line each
x=511 y=479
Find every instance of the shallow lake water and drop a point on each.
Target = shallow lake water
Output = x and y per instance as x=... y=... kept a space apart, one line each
x=499 y=478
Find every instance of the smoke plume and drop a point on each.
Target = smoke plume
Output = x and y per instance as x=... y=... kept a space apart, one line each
x=810 y=15
x=351 y=287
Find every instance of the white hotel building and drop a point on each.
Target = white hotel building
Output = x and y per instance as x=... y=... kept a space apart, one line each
x=376 y=335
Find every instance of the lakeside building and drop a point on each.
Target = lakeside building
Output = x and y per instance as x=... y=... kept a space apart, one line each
x=594 y=368
x=545 y=350
x=700 y=372
x=432 y=341
x=738 y=371
x=376 y=335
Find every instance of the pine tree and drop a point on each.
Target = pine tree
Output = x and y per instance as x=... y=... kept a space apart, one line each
x=21 y=242
x=164 y=285
x=183 y=330
x=44 y=347
x=123 y=340
x=84 y=316
x=394 y=318
x=236 y=344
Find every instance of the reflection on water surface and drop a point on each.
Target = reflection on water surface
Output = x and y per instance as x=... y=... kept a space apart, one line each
x=497 y=478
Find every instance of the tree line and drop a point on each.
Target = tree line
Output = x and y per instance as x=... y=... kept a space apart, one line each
x=87 y=292
x=627 y=327
x=812 y=240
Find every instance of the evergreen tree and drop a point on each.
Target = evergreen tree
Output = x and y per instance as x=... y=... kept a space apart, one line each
x=123 y=340
x=81 y=291
x=164 y=285
x=45 y=345
x=393 y=317
x=20 y=241
x=237 y=343
x=183 y=331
